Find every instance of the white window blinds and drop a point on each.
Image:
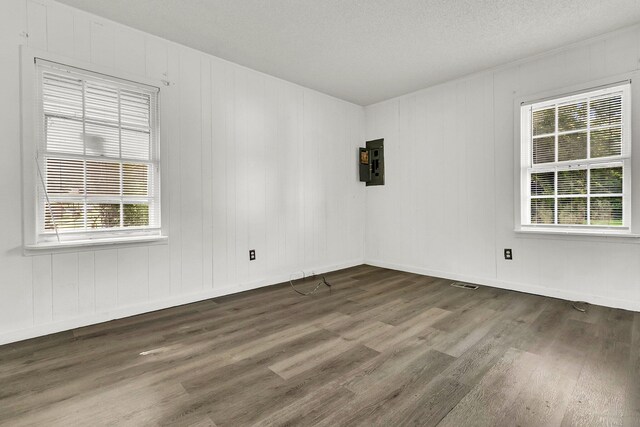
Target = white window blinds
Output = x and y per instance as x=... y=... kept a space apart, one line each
x=576 y=162
x=98 y=159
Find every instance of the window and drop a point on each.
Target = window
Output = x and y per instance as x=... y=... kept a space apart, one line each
x=97 y=158
x=576 y=160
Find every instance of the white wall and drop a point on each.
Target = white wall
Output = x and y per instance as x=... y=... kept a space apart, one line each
x=447 y=208
x=248 y=162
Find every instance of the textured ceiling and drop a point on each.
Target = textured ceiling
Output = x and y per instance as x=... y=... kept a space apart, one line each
x=366 y=51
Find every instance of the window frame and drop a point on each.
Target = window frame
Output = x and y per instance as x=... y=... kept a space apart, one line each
x=34 y=237
x=524 y=157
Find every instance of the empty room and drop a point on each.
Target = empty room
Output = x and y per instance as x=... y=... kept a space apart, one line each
x=320 y=212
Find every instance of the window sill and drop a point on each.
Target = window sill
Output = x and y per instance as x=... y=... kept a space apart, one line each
x=577 y=233
x=93 y=244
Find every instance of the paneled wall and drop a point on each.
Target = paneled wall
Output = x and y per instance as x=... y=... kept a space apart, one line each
x=248 y=162
x=448 y=206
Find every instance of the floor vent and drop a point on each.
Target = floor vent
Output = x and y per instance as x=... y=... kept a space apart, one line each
x=464 y=285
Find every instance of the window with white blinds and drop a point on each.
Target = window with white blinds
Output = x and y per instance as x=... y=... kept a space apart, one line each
x=576 y=161
x=97 y=159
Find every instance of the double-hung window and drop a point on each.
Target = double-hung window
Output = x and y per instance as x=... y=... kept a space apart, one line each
x=97 y=160
x=576 y=160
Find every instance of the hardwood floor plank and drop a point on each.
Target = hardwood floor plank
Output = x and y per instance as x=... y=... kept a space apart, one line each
x=599 y=395
x=383 y=397
x=311 y=358
x=416 y=327
x=310 y=409
x=388 y=367
x=228 y=405
x=469 y=330
x=429 y=405
x=277 y=339
x=494 y=394
x=543 y=401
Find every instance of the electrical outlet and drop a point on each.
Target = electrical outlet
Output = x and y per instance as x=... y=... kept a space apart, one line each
x=252 y=255
x=508 y=254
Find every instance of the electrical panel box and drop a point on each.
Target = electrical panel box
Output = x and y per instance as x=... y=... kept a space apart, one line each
x=371 y=163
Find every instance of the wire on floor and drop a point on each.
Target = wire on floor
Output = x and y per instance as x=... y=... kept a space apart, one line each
x=320 y=283
x=581 y=306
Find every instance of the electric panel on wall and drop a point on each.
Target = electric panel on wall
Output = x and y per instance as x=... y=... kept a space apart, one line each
x=371 y=162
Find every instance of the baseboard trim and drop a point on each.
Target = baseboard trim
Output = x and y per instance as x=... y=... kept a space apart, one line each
x=513 y=286
x=146 y=307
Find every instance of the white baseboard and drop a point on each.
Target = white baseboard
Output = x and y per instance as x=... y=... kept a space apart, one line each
x=512 y=286
x=146 y=307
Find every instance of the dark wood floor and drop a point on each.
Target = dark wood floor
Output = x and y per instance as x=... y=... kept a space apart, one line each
x=383 y=348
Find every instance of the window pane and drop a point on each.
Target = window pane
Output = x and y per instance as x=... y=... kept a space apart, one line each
x=65 y=216
x=572 y=182
x=544 y=149
x=103 y=178
x=572 y=210
x=64 y=135
x=572 y=146
x=606 y=111
x=103 y=215
x=606 y=142
x=544 y=121
x=135 y=179
x=606 y=211
x=572 y=116
x=542 y=211
x=102 y=140
x=136 y=215
x=65 y=177
x=101 y=103
x=606 y=180
x=135 y=144
x=542 y=184
x=61 y=96
x=135 y=109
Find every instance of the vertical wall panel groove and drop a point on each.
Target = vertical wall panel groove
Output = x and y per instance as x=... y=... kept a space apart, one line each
x=206 y=173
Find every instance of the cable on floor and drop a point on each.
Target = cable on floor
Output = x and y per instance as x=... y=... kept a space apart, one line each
x=320 y=283
x=581 y=306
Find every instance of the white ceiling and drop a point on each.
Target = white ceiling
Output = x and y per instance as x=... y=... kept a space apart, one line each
x=366 y=51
